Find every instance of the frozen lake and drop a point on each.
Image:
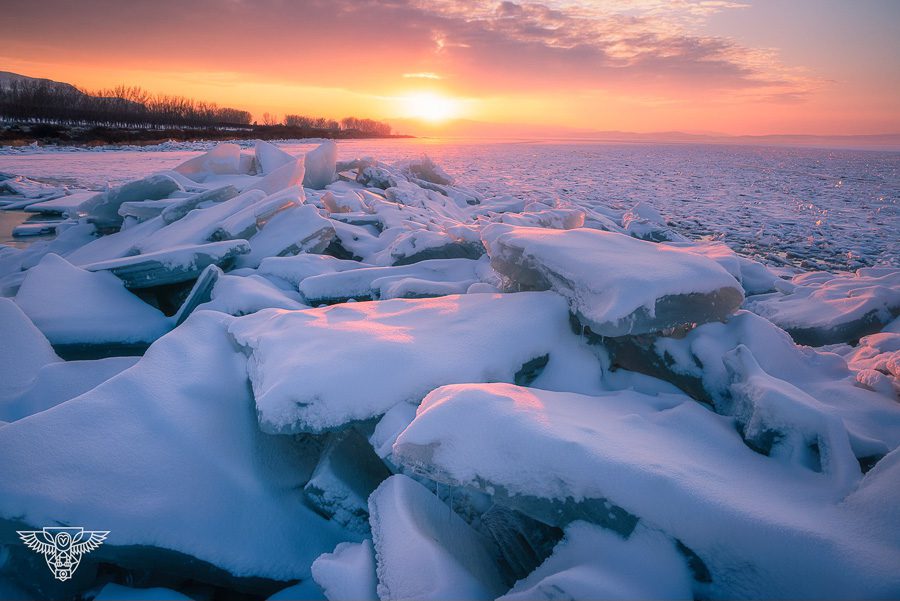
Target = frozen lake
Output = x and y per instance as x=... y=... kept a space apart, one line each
x=835 y=209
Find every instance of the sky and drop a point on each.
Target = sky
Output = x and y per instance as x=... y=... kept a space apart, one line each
x=827 y=67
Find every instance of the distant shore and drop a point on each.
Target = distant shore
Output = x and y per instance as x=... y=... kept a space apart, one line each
x=87 y=136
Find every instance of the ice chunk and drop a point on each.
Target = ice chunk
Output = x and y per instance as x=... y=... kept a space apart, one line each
x=320 y=165
x=374 y=283
x=424 y=550
x=560 y=219
x=269 y=157
x=297 y=229
x=114 y=246
x=178 y=425
x=821 y=308
x=669 y=461
x=25 y=349
x=297 y=268
x=183 y=206
x=524 y=543
x=424 y=169
x=103 y=209
x=289 y=174
x=422 y=245
x=64 y=205
x=348 y=573
x=298 y=360
x=594 y=563
x=754 y=277
x=346 y=475
x=646 y=223
x=199 y=225
x=238 y=295
x=248 y=221
x=224 y=159
x=145 y=209
x=877 y=362
x=616 y=285
x=74 y=307
x=343 y=202
x=58 y=382
x=177 y=264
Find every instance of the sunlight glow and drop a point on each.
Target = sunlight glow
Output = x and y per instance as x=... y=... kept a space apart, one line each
x=429 y=107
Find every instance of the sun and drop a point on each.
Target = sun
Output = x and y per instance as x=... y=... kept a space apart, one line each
x=428 y=106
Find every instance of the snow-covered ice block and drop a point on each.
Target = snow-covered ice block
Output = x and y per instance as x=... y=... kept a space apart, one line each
x=646 y=223
x=696 y=363
x=224 y=159
x=294 y=230
x=425 y=169
x=242 y=295
x=58 y=382
x=25 y=349
x=74 y=307
x=181 y=207
x=297 y=268
x=320 y=166
x=755 y=278
x=406 y=281
x=347 y=473
x=877 y=362
x=559 y=219
x=199 y=225
x=347 y=201
x=422 y=245
x=268 y=157
x=289 y=174
x=595 y=563
x=114 y=246
x=425 y=551
x=145 y=209
x=298 y=360
x=179 y=425
x=103 y=209
x=248 y=221
x=820 y=308
x=171 y=266
x=348 y=572
x=616 y=285
x=672 y=463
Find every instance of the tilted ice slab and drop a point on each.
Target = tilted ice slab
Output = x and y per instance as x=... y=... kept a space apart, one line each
x=297 y=229
x=72 y=306
x=820 y=308
x=596 y=563
x=319 y=369
x=297 y=268
x=615 y=284
x=224 y=159
x=436 y=277
x=168 y=457
x=103 y=209
x=319 y=165
x=25 y=349
x=424 y=550
x=676 y=466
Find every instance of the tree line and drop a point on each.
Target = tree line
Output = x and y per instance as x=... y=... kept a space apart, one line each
x=43 y=101
x=122 y=106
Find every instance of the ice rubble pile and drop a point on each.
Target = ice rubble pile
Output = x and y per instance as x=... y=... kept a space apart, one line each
x=531 y=401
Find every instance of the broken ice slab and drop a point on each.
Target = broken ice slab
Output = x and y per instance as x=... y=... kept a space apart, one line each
x=25 y=349
x=755 y=278
x=289 y=174
x=25 y=230
x=422 y=245
x=616 y=285
x=558 y=219
x=183 y=206
x=296 y=268
x=820 y=308
x=665 y=459
x=177 y=425
x=347 y=473
x=249 y=220
x=223 y=159
x=424 y=550
x=146 y=209
x=524 y=543
x=347 y=573
x=298 y=359
x=695 y=362
x=64 y=205
x=320 y=165
x=178 y=264
x=200 y=293
x=408 y=281
x=268 y=157
x=594 y=563
x=78 y=310
x=103 y=209
x=295 y=230
x=245 y=294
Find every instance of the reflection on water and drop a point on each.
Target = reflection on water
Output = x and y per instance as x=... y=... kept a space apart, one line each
x=8 y=221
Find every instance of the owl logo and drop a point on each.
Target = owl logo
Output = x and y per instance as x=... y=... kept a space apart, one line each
x=63 y=547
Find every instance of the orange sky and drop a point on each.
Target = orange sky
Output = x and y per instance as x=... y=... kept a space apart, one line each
x=753 y=67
